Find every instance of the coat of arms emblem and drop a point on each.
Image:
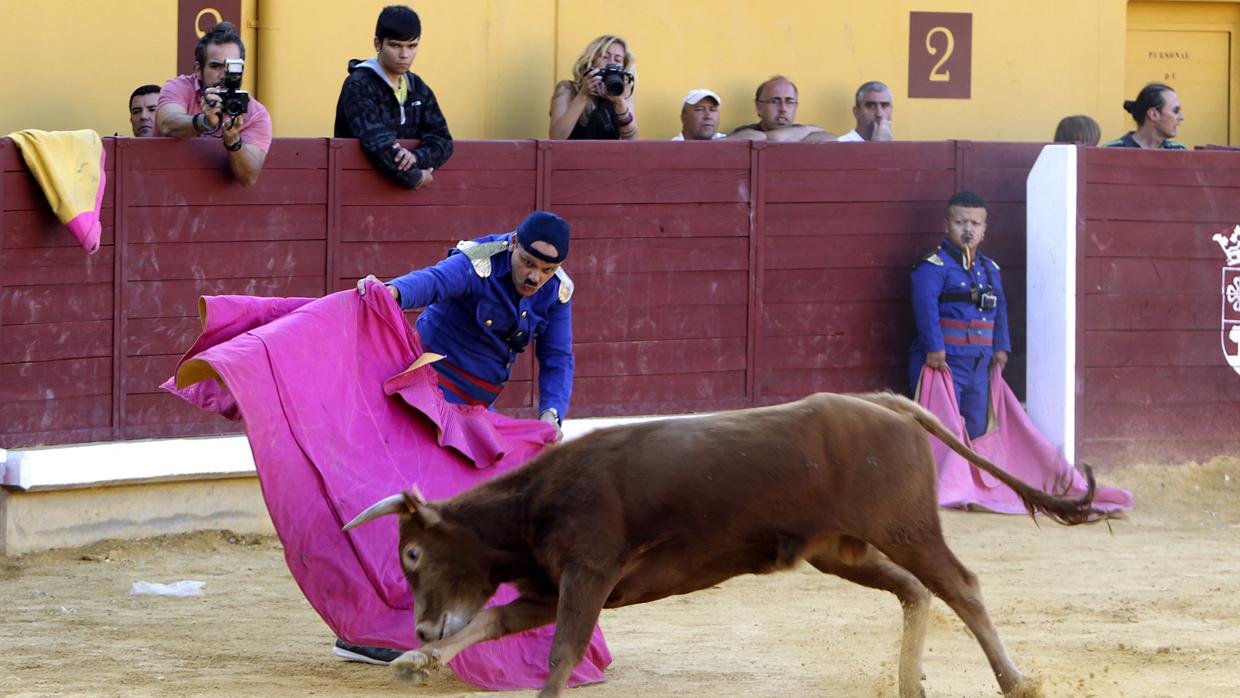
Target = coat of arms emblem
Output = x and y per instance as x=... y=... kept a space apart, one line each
x=1230 y=330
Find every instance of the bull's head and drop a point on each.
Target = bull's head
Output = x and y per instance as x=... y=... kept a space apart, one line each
x=450 y=570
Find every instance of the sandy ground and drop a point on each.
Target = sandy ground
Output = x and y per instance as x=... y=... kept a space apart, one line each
x=1143 y=610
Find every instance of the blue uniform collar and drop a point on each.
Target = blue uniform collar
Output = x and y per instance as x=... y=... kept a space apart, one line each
x=956 y=253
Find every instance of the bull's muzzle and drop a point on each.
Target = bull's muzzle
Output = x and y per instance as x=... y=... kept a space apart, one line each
x=446 y=625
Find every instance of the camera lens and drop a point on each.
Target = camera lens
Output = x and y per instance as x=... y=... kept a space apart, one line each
x=613 y=79
x=235 y=103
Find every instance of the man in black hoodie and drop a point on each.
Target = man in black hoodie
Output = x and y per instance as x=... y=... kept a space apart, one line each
x=382 y=101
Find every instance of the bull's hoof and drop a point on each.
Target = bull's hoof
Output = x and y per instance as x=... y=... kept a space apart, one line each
x=1027 y=687
x=415 y=666
x=411 y=678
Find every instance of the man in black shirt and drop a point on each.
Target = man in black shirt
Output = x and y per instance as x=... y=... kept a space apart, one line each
x=382 y=101
x=776 y=104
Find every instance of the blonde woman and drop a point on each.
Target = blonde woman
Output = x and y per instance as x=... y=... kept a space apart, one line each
x=597 y=104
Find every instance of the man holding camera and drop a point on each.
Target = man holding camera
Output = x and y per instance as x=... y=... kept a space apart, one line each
x=961 y=311
x=382 y=101
x=208 y=104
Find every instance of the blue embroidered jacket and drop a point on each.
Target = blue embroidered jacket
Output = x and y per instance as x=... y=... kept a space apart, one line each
x=475 y=317
x=947 y=315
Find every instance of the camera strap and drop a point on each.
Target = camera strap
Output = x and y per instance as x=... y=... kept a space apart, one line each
x=956 y=297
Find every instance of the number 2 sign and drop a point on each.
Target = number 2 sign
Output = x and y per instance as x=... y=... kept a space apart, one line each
x=940 y=54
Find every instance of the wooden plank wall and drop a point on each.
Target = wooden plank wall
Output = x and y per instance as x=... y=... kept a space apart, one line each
x=842 y=230
x=1153 y=385
x=56 y=316
x=997 y=171
x=708 y=275
x=191 y=231
x=488 y=187
x=660 y=259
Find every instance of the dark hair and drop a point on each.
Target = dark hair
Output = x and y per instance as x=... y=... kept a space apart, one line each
x=144 y=90
x=965 y=199
x=757 y=96
x=222 y=33
x=398 y=22
x=871 y=86
x=1078 y=129
x=1150 y=96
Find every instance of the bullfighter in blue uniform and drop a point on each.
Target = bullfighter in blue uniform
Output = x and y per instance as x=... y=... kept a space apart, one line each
x=961 y=311
x=486 y=301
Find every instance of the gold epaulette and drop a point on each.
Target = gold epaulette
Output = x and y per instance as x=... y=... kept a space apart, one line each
x=566 y=285
x=935 y=259
x=480 y=254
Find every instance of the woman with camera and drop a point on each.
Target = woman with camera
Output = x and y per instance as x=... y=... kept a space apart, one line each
x=597 y=104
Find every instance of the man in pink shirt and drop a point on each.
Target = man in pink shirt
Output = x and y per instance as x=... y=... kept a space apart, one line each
x=190 y=106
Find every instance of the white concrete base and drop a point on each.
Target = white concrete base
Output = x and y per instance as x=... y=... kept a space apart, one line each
x=63 y=518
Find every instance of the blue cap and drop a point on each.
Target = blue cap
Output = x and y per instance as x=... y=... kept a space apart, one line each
x=546 y=227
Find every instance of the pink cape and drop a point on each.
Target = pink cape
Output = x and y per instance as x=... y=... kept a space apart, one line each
x=1014 y=444
x=335 y=424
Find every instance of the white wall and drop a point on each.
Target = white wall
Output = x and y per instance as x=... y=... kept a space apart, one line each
x=1051 y=292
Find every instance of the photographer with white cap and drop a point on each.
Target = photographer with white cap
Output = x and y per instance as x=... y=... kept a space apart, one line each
x=699 y=117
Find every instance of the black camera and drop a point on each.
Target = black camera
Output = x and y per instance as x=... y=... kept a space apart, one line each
x=614 y=79
x=236 y=101
x=987 y=300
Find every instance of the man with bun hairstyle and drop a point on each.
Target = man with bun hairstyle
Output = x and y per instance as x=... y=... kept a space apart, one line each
x=486 y=301
x=1158 y=115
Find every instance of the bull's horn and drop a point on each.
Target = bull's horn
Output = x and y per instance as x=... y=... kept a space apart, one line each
x=394 y=504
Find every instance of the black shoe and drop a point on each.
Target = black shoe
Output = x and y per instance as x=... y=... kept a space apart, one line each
x=362 y=653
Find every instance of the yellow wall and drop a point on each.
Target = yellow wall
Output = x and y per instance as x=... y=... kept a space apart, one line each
x=493 y=63
x=1023 y=80
x=488 y=61
x=1204 y=67
x=72 y=64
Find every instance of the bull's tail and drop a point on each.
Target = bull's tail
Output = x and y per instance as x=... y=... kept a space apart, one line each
x=1063 y=509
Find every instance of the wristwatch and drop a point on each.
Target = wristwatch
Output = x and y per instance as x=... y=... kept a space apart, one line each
x=235 y=146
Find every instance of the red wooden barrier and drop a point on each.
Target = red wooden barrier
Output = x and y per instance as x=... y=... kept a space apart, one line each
x=708 y=275
x=1153 y=384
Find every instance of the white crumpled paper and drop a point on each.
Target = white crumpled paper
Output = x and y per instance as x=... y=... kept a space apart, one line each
x=185 y=587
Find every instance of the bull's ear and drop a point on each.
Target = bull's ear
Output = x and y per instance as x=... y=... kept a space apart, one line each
x=421 y=511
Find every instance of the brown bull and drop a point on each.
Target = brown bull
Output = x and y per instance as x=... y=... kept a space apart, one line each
x=639 y=512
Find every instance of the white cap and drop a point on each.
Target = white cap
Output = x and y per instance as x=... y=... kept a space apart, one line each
x=696 y=96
